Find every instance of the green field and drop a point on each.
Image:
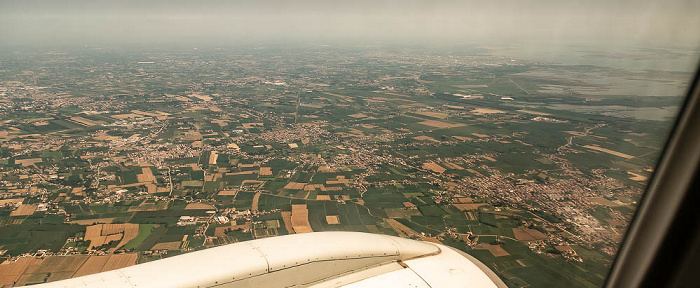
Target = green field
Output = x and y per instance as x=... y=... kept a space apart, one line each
x=144 y=231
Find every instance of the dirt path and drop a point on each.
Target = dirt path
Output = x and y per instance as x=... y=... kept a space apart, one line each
x=520 y=87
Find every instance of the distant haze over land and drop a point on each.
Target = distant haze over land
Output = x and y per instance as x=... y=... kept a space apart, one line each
x=532 y=23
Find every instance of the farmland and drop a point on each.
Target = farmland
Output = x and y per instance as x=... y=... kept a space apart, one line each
x=468 y=147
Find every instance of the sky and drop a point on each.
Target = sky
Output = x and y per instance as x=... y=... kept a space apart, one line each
x=605 y=22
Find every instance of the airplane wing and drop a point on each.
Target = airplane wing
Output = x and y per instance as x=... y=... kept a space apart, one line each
x=321 y=259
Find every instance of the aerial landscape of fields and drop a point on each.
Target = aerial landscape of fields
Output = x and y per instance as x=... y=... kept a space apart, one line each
x=112 y=157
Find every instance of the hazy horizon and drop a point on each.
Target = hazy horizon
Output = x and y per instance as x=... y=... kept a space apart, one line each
x=532 y=23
